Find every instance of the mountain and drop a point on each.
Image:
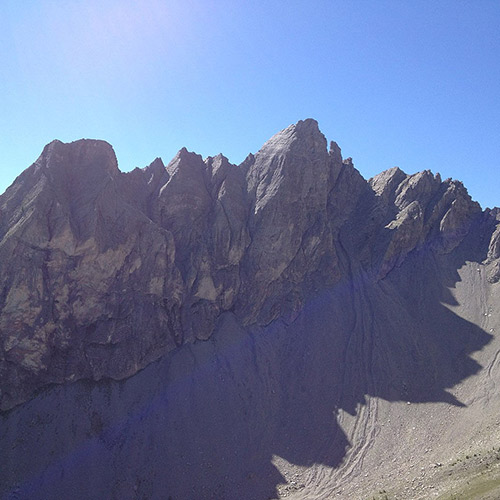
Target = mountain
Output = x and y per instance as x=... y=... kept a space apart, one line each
x=207 y=330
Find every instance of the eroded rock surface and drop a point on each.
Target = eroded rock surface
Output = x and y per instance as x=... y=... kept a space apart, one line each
x=103 y=272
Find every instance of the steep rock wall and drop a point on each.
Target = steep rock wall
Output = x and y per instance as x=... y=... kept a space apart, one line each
x=103 y=272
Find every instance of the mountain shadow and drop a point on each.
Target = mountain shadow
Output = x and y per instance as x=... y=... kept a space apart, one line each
x=264 y=303
x=208 y=420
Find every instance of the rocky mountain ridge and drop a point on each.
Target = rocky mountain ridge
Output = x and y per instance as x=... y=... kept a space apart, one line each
x=103 y=272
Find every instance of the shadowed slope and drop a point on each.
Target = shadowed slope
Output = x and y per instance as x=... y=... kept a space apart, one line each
x=288 y=302
x=206 y=421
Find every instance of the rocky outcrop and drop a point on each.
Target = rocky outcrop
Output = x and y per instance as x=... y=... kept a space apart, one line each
x=289 y=182
x=423 y=210
x=82 y=274
x=103 y=272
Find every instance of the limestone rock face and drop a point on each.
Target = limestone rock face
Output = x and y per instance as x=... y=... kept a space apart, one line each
x=423 y=210
x=83 y=274
x=103 y=272
x=289 y=183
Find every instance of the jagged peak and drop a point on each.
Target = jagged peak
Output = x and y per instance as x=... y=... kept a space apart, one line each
x=304 y=133
x=389 y=173
x=155 y=172
x=245 y=165
x=459 y=191
x=297 y=142
x=335 y=152
x=184 y=159
x=387 y=181
x=308 y=124
x=156 y=164
x=218 y=159
x=421 y=185
x=216 y=164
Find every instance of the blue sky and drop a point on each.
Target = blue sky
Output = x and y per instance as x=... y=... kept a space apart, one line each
x=414 y=84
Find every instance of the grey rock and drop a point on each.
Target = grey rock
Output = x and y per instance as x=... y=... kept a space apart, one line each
x=103 y=272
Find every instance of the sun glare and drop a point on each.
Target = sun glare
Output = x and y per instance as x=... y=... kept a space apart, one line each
x=112 y=39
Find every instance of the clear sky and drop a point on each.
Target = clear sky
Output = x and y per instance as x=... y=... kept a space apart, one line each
x=408 y=83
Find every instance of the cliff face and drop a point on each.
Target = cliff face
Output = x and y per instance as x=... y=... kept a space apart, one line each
x=317 y=335
x=102 y=272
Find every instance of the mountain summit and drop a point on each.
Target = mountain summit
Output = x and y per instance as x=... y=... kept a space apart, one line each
x=287 y=290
